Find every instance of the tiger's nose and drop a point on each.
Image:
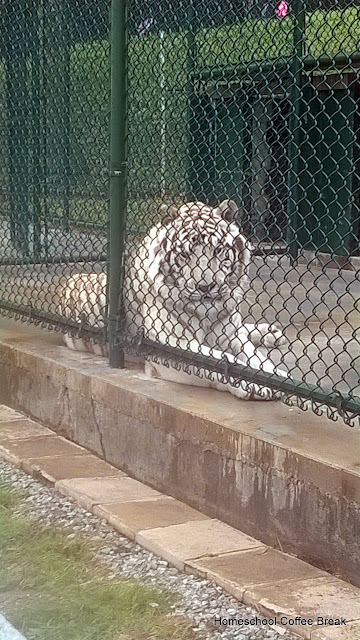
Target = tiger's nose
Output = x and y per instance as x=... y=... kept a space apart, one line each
x=206 y=288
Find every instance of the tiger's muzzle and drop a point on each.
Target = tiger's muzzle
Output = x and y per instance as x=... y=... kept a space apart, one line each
x=209 y=292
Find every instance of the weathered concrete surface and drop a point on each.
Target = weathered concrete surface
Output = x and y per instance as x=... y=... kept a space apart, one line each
x=281 y=475
x=350 y=632
x=323 y=597
x=12 y=429
x=238 y=572
x=8 y=632
x=42 y=446
x=91 y=491
x=54 y=468
x=132 y=517
x=282 y=586
x=180 y=543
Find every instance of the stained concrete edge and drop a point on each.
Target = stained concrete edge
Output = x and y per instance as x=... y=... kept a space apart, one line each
x=268 y=469
x=199 y=543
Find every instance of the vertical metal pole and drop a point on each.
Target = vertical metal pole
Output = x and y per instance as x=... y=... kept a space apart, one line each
x=16 y=19
x=261 y=159
x=162 y=116
x=36 y=107
x=190 y=67
x=64 y=47
x=118 y=178
x=295 y=129
x=8 y=22
x=44 y=123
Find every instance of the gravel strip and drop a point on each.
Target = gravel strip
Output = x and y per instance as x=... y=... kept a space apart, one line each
x=200 y=600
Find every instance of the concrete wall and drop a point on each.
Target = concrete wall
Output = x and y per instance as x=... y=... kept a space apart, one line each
x=287 y=477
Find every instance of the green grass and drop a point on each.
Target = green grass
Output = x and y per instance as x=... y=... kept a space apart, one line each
x=331 y=32
x=142 y=213
x=52 y=589
x=89 y=210
x=328 y=32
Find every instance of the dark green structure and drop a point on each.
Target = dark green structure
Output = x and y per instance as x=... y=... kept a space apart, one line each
x=240 y=148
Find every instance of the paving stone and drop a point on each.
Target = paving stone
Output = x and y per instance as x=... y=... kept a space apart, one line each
x=22 y=428
x=236 y=572
x=90 y=491
x=38 y=446
x=183 y=542
x=350 y=632
x=309 y=598
x=9 y=414
x=132 y=517
x=53 y=468
x=8 y=632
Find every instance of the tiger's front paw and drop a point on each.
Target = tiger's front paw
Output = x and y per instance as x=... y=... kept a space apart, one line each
x=269 y=335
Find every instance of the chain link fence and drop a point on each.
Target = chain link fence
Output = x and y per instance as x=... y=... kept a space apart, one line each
x=252 y=106
x=54 y=141
x=257 y=103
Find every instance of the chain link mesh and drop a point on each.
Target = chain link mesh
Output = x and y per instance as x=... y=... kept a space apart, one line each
x=256 y=102
x=54 y=140
x=228 y=100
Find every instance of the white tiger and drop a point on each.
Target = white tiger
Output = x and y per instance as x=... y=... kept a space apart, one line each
x=183 y=287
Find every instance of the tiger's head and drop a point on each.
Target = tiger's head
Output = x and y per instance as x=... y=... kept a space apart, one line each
x=199 y=251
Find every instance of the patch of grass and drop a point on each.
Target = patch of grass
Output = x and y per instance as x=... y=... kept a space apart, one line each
x=328 y=32
x=84 y=212
x=52 y=589
x=10 y=497
x=88 y=210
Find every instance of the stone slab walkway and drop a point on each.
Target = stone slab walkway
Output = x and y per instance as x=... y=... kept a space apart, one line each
x=8 y=632
x=300 y=596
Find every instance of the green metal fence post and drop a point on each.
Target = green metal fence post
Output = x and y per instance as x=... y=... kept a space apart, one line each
x=36 y=108
x=44 y=124
x=64 y=51
x=118 y=177
x=295 y=128
x=190 y=68
x=15 y=20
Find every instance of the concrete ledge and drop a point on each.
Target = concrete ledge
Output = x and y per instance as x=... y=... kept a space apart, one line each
x=286 y=477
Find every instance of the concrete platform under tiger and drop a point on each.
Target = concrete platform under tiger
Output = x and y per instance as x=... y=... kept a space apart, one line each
x=287 y=477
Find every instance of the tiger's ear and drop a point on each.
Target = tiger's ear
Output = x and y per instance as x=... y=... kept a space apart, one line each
x=227 y=209
x=168 y=213
x=243 y=244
